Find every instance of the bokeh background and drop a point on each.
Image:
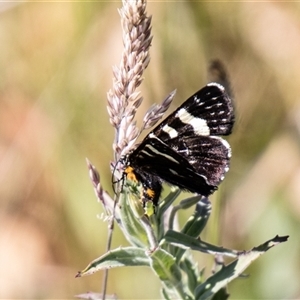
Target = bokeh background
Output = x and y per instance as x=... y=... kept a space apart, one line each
x=55 y=70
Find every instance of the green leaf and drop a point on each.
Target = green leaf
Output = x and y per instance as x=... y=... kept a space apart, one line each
x=221 y=295
x=227 y=273
x=121 y=257
x=160 y=215
x=165 y=203
x=191 y=270
x=165 y=294
x=184 y=204
x=131 y=213
x=186 y=242
x=165 y=267
x=196 y=223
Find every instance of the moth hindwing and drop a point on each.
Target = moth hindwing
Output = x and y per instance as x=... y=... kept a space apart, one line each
x=186 y=149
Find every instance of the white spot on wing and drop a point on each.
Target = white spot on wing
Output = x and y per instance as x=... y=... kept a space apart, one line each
x=199 y=125
x=217 y=85
x=154 y=150
x=170 y=131
x=173 y=172
x=147 y=153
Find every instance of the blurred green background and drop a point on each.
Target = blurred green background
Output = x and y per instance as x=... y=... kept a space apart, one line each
x=55 y=70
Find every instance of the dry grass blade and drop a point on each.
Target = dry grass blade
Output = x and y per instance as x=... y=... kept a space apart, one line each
x=123 y=99
x=156 y=112
x=101 y=195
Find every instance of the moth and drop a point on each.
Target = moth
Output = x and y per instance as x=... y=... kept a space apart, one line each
x=186 y=148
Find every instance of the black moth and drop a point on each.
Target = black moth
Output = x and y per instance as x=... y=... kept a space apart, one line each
x=186 y=149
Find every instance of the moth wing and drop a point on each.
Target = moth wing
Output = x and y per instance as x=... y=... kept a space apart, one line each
x=207 y=155
x=185 y=149
x=208 y=112
x=154 y=157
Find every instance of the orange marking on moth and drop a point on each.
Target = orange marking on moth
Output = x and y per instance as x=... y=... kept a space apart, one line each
x=130 y=174
x=150 y=193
